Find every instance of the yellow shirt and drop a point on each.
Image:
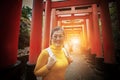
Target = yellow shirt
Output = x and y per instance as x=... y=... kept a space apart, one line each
x=58 y=70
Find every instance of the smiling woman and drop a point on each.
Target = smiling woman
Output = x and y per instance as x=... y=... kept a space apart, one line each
x=57 y=36
x=53 y=61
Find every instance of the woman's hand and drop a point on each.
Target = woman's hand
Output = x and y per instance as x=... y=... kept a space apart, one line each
x=70 y=59
x=51 y=62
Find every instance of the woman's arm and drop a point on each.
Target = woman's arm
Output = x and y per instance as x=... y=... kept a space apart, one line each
x=41 y=68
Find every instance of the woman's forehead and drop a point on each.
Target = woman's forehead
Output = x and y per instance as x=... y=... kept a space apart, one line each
x=58 y=32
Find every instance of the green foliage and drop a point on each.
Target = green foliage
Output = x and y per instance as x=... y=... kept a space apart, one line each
x=26 y=12
x=24 y=36
x=115 y=24
x=115 y=28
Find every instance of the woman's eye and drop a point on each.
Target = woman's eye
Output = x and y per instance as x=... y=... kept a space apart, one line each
x=55 y=36
x=60 y=36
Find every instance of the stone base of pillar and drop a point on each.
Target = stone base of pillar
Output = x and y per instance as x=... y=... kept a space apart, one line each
x=99 y=63
x=91 y=59
x=13 y=72
x=99 y=67
x=111 y=71
x=29 y=75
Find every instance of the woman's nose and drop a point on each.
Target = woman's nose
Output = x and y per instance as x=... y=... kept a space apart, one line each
x=58 y=38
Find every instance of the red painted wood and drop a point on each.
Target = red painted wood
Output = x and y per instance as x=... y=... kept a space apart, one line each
x=69 y=3
x=85 y=34
x=98 y=48
x=46 y=32
x=36 y=31
x=72 y=17
x=53 y=19
x=90 y=35
x=74 y=12
x=10 y=13
x=108 y=44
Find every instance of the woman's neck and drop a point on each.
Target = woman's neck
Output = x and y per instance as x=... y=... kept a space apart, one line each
x=56 y=47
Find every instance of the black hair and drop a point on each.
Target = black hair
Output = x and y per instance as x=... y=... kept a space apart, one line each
x=57 y=29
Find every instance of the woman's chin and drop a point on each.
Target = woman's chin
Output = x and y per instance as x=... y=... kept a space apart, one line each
x=58 y=45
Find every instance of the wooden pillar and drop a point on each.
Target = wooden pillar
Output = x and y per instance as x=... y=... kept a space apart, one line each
x=46 y=30
x=98 y=48
x=108 y=44
x=60 y=23
x=90 y=34
x=53 y=19
x=57 y=20
x=36 y=31
x=85 y=34
x=10 y=12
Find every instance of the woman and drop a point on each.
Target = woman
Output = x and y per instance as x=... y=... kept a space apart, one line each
x=53 y=67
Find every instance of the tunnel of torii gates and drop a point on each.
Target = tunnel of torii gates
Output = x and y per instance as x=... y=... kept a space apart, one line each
x=81 y=17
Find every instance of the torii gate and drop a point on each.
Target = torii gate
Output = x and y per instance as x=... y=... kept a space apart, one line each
x=105 y=19
x=10 y=28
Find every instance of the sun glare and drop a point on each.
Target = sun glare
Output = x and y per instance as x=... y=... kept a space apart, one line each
x=75 y=41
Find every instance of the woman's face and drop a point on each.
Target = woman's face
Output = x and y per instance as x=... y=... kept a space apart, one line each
x=58 y=38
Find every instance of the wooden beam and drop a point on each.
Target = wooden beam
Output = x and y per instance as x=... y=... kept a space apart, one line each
x=69 y=3
x=74 y=24
x=71 y=28
x=72 y=17
x=74 y=12
x=71 y=31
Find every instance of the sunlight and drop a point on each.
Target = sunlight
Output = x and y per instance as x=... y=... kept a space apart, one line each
x=75 y=41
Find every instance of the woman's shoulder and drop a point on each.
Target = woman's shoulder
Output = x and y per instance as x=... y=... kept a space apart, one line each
x=44 y=52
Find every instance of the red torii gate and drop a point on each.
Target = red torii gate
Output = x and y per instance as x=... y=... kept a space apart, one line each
x=107 y=33
x=11 y=21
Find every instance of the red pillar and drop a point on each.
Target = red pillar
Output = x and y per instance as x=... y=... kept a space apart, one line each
x=53 y=18
x=36 y=31
x=60 y=23
x=46 y=30
x=98 y=48
x=108 y=44
x=85 y=34
x=10 y=12
x=90 y=34
x=57 y=20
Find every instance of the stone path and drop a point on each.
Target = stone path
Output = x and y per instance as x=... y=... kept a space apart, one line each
x=79 y=69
